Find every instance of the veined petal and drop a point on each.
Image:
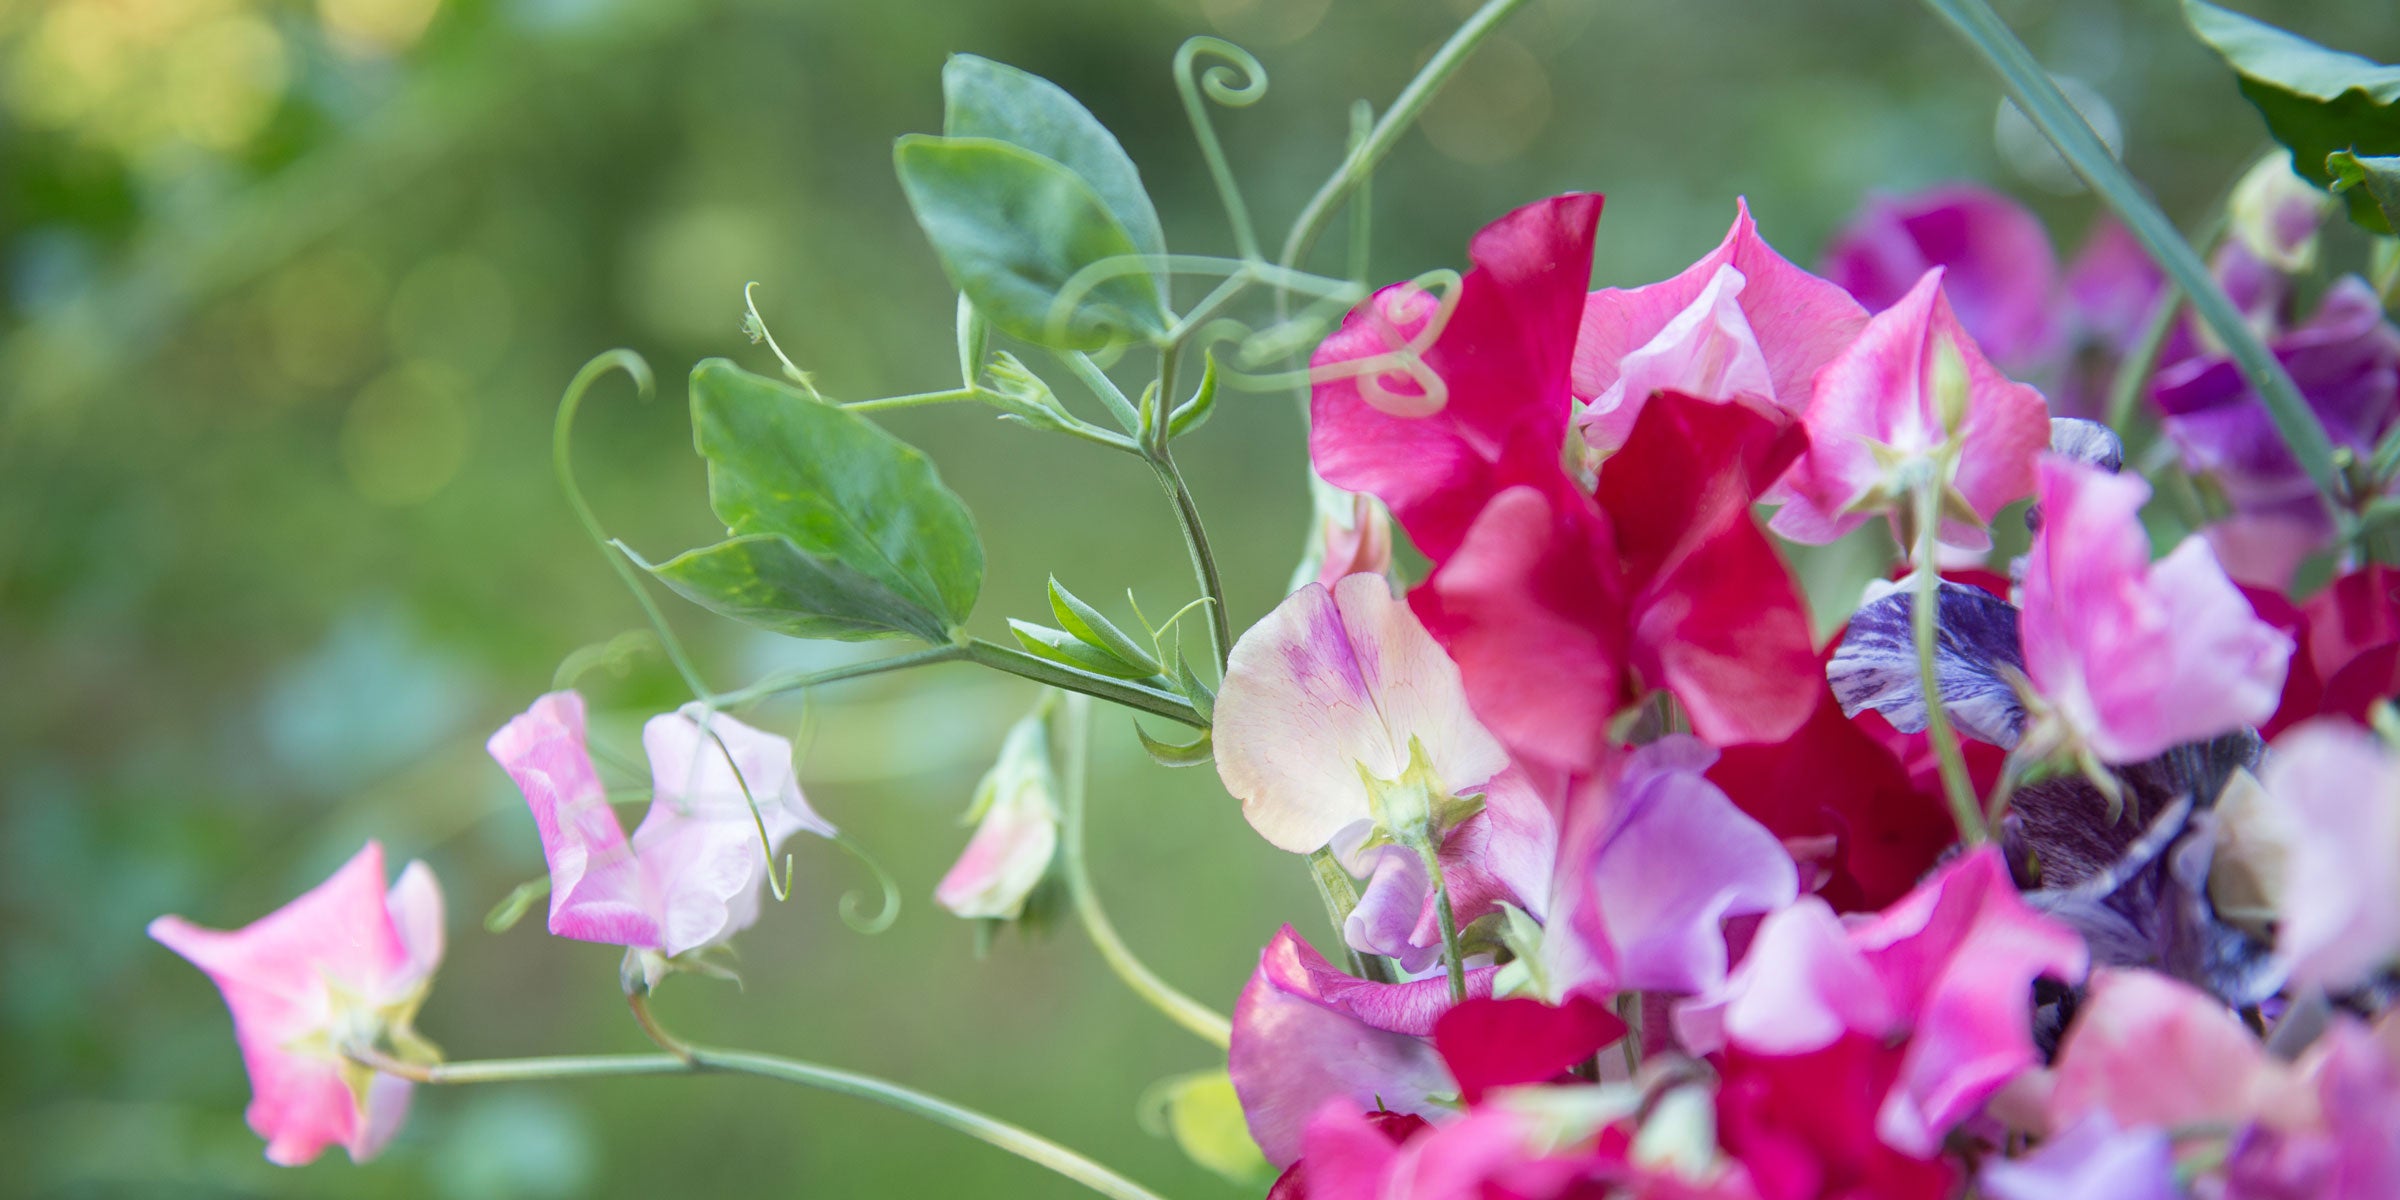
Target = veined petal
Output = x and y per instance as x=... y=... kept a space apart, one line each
x=1707 y=351
x=1975 y=650
x=597 y=893
x=699 y=844
x=1332 y=683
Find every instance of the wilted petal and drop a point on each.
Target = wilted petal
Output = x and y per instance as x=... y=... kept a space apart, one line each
x=2339 y=788
x=699 y=845
x=2137 y=657
x=1305 y=1034
x=1975 y=652
x=2096 y=1160
x=1331 y=684
x=1707 y=350
x=597 y=892
x=1998 y=266
x=1881 y=392
x=1676 y=861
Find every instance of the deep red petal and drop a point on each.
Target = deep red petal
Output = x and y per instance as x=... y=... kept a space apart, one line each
x=1501 y=1043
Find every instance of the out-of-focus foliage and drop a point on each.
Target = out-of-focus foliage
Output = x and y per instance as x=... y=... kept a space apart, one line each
x=290 y=290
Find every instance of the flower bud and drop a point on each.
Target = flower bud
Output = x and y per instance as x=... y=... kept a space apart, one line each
x=1016 y=831
x=1349 y=532
x=2275 y=214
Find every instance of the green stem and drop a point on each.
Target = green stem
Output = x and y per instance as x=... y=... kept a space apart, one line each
x=792 y=681
x=1395 y=121
x=954 y=395
x=1957 y=787
x=1140 y=697
x=1101 y=385
x=704 y=1060
x=2039 y=97
x=1454 y=961
x=1195 y=544
x=1074 y=738
x=1340 y=895
x=1188 y=83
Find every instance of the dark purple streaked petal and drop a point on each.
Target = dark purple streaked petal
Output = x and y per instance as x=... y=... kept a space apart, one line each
x=1876 y=666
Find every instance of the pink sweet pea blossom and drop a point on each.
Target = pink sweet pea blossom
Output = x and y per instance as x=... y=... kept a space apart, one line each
x=691 y=875
x=1880 y=411
x=2334 y=797
x=2133 y=657
x=1016 y=834
x=342 y=968
x=1997 y=264
x=1948 y=969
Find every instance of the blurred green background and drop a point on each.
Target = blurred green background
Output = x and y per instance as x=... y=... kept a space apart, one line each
x=291 y=287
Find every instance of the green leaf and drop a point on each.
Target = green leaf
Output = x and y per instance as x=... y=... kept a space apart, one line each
x=1195 y=412
x=1092 y=629
x=1203 y=697
x=1205 y=1117
x=986 y=99
x=840 y=530
x=2380 y=177
x=1066 y=649
x=2316 y=101
x=1194 y=753
x=1012 y=228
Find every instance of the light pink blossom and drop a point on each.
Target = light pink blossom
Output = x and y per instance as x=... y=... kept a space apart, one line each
x=343 y=967
x=1016 y=834
x=2334 y=797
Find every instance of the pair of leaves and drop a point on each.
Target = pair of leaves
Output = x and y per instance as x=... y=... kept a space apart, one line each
x=839 y=530
x=2337 y=113
x=1024 y=191
x=1086 y=640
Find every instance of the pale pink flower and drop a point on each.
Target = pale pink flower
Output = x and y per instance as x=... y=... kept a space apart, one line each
x=1016 y=835
x=342 y=968
x=2135 y=657
x=2334 y=795
x=692 y=873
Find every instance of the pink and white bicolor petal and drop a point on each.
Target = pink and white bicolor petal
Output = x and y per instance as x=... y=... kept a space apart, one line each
x=2335 y=789
x=597 y=890
x=1333 y=683
x=699 y=844
x=1708 y=350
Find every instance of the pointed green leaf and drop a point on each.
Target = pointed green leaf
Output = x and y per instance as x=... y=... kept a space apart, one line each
x=2380 y=177
x=1092 y=629
x=1066 y=649
x=1205 y=1116
x=1194 y=753
x=986 y=99
x=2316 y=101
x=1013 y=228
x=1195 y=412
x=1203 y=697
x=840 y=529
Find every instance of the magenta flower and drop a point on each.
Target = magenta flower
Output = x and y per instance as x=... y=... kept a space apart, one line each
x=1305 y=1033
x=2334 y=795
x=691 y=875
x=1884 y=418
x=2132 y=657
x=1741 y=325
x=1997 y=265
x=1948 y=970
x=342 y=968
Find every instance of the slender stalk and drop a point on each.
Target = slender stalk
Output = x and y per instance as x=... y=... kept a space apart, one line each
x=703 y=1060
x=954 y=395
x=1074 y=741
x=2132 y=380
x=793 y=681
x=1452 y=960
x=1925 y=613
x=2039 y=97
x=1395 y=121
x=1340 y=895
x=1101 y=385
x=1195 y=544
x=1140 y=697
x=1204 y=131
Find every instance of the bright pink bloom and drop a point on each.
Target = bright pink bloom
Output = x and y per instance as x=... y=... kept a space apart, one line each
x=2135 y=657
x=1949 y=969
x=692 y=873
x=1305 y=1033
x=1741 y=325
x=1355 y=539
x=1491 y=1043
x=343 y=967
x=1997 y=264
x=1879 y=405
x=2335 y=792
x=1560 y=605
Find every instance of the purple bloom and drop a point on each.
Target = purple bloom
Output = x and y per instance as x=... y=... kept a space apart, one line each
x=1999 y=270
x=2093 y=1161
x=1975 y=654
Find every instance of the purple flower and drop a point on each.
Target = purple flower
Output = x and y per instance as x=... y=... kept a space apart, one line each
x=2093 y=1161
x=1999 y=270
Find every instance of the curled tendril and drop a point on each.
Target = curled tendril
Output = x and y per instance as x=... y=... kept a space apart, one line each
x=851 y=904
x=1237 y=82
x=1403 y=355
x=1057 y=322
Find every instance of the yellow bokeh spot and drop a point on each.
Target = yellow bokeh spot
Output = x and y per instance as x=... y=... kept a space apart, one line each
x=1493 y=109
x=407 y=434
x=376 y=27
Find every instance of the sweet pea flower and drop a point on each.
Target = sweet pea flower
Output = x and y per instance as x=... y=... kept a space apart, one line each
x=1998 y=266
x=1350 y=533
x=691 y=875
x=2349 y=646
x=1016 y=835
x=2093 y=1161
x=1912 y=402
x=2334 y=790
x=1742 y=325
x=1305 y=1033
x=1804 y=1126
x=2133 y=657
x=1563 y=598
x=341 y=969
x=1948 y=971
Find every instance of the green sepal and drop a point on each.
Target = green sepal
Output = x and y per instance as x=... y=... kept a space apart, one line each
x=1202 y=696
x=1095 y=630
x=1197 y=752
x=1025 y=397
x=1065 y=649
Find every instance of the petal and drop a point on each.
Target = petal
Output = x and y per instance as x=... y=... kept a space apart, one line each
x=2096 y=1160
x=1330 y=684
x=1998 y=265
x=2148 y=1050
x=2338 y=788
x=1801 y=987
x=1005 y=860
x=1492 y=1043
x=1707 y=350
x=1503 y=359
x=1975 y=650
x=2112 y=286
x=597 y=893
x=415 y=902
x=699 y=844
x=1390 y=908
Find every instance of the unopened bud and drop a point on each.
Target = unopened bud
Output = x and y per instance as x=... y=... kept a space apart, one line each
x=1016 y=816
x=2275 y=214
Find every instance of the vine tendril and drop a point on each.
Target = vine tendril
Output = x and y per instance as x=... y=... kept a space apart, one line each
x=1220 y=82
x=851 y=904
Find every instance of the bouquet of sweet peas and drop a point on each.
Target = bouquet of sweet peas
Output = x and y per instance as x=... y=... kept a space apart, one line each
x=2061 y=869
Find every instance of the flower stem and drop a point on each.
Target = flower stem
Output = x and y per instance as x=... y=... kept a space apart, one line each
x=956 y=395
x=701 y=1060
x=1140 y=697
x=1195 y=545
x=1361 y=160
x=1925 y=617
x=2039 y=97
x=1452 y=960
x=1074 y=739
x=792 y=681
